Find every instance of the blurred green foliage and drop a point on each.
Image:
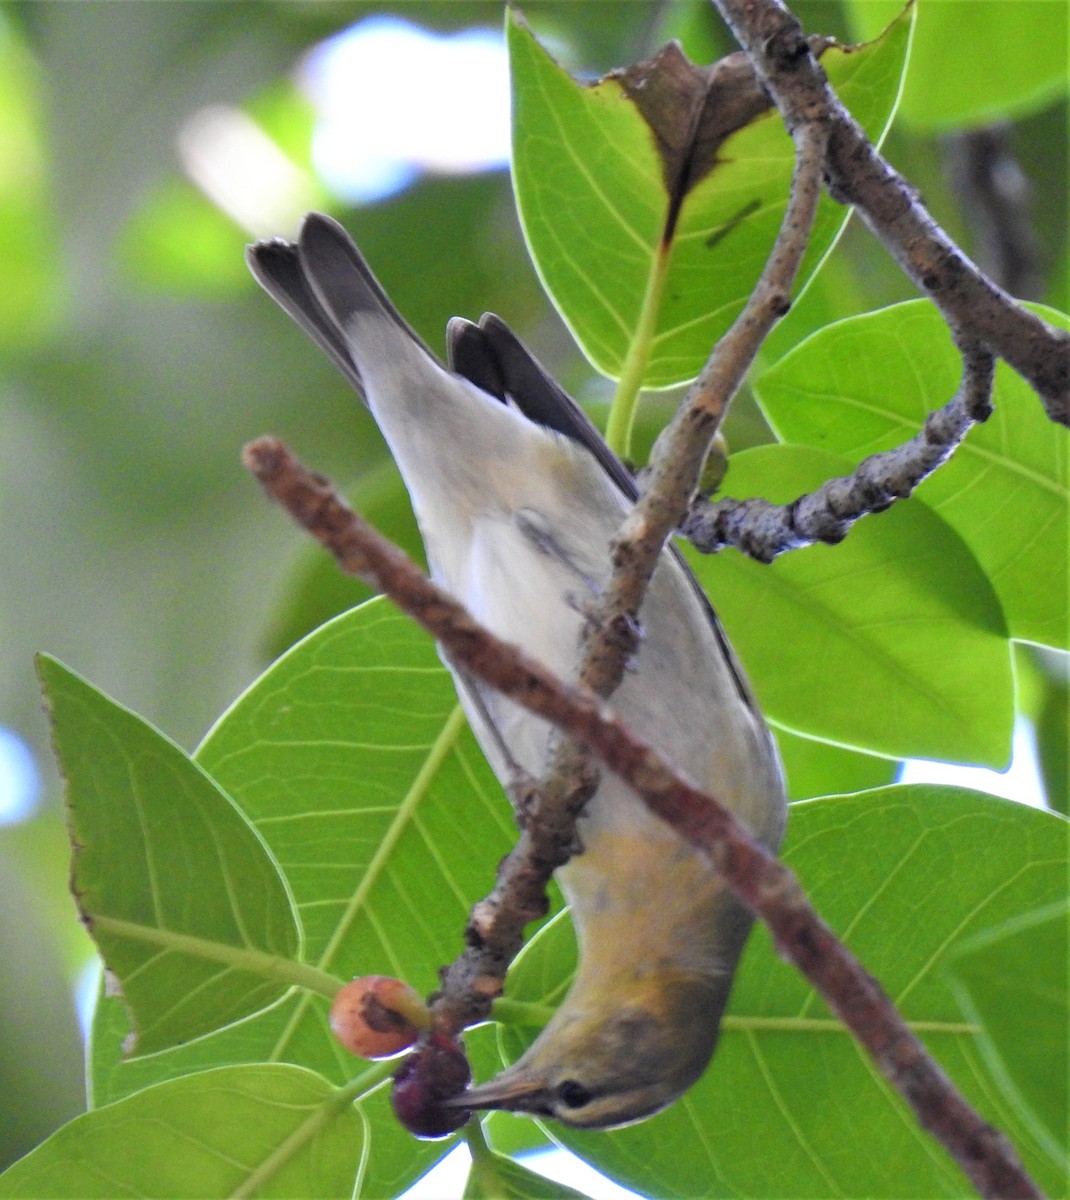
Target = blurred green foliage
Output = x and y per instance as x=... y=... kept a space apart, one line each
x=136 y=357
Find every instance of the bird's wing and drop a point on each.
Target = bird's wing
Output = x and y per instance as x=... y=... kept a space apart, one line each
x=491 y=354
x=494 y=358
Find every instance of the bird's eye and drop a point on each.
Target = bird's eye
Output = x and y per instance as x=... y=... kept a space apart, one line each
x=573 y=1094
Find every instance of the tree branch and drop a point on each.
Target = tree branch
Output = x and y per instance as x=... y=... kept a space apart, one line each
x=764 y=884
x=975 y=308
x=681 y=450
x=548 y=810
x=763 y=530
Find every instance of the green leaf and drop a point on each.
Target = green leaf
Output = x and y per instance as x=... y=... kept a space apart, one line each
x=391 y=1160
x=179 y=893
x=494 y=1177
x=975 y=64
x=867 y=384
x=906 y=875
x=1053 y=753
x=508 y=1137
x=892 y=641
x=1011 y=982
x=595 y=204
x=351 y=760
x=816 y=768
x=269 y=1130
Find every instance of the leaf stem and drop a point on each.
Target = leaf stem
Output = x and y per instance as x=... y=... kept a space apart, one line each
x=625 y=398
x=485 y=1178
x=366 y=1082
x=535 y=1016
x=477 y=1143
x=242 y=958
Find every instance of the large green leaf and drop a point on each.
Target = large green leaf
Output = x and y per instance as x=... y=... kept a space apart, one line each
x=905 y=875
x=1050 y=723
x=350 y=759
x=592 y=192
x=957 y=43
x=391 y=1159
x=867 y=384
x=892 y=641
x=180 y=894
x=268 y=1130
x=1011 y=982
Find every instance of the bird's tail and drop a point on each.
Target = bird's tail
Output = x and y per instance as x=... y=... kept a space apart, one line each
x=325 y=285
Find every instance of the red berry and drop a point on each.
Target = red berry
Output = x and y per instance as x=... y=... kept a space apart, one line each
x=436 y=1072
x=376 y=1016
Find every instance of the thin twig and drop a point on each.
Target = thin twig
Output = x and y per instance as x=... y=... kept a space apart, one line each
x=765 y=884
x=763 y=530
x=974 y=307
x=681 y=450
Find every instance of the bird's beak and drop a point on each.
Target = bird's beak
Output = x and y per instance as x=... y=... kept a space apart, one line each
x=513 y=1093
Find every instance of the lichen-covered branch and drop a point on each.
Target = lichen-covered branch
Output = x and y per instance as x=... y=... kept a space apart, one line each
x=763 y=530
x=764 y=883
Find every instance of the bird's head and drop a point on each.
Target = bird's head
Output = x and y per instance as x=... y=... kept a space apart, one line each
x=598 y=1069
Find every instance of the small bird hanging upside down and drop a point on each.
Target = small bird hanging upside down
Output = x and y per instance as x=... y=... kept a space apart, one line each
x=518 y=497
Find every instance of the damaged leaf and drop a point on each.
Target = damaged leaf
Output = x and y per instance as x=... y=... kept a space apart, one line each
x=650 y=198
x=690 y=110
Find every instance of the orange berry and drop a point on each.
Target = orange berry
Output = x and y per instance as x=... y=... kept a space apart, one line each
x=377 y=1016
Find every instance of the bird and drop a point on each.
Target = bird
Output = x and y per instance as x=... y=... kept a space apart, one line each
x=517 y=497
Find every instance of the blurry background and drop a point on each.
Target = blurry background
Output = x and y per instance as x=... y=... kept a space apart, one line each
x=142 y=145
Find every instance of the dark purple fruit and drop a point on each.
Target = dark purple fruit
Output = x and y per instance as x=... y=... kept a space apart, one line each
x=437 y=1071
